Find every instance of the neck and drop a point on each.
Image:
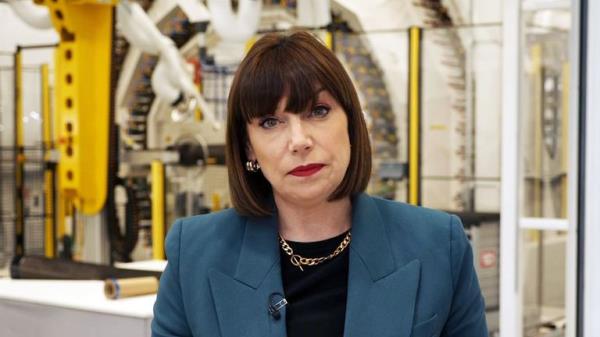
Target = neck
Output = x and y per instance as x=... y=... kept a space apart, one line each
x=313 y=222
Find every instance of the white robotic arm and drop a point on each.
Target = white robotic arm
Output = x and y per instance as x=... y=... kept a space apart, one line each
x=235 y=27
x=170 y=80
x=137 y=27
x=34 y=15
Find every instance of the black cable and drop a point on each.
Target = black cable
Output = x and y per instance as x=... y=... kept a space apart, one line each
x=121 y=245
x=132 y=220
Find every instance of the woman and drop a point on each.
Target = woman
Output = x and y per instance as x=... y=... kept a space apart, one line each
x=304 y=252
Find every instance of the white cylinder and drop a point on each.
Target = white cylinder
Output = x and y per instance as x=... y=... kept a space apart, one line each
x=32 y=14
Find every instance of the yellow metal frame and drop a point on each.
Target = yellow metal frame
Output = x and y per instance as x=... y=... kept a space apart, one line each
x=249 y=43
x=328 y=40
x=158 y=210
x=49 y=225
x=19 y=157
x=414 y=117
x=83 y=63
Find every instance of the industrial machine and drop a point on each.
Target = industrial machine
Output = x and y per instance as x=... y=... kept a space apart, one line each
x=87 y=141
x=142 y=145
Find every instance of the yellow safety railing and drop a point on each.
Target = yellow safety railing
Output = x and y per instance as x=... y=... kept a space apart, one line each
x=414 y=117
x=49 y=224
x=158 y=210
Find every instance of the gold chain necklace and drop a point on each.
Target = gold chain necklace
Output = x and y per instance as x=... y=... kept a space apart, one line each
x=300 y=261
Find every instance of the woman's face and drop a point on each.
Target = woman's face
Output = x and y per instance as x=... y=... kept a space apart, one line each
x=304 y=156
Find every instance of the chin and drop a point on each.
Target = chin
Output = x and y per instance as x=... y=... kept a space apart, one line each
x=310 y=195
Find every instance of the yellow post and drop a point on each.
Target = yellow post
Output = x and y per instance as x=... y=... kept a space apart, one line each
x=83 y=98
x=49 y=232
x=216 y=202
x=414 y=115
x=251 y=41
x=198 y=113
x=158 y=210
x=19 y=157
x=328 y=39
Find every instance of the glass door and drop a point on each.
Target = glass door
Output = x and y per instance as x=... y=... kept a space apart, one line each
x=539 y=167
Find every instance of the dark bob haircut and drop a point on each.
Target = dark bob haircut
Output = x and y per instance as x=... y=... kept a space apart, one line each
x=297 y=65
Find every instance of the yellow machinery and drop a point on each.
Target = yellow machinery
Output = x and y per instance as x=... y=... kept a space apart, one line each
x=83 y=98
x=23 y=154
x=85 y=137
x=84 y=133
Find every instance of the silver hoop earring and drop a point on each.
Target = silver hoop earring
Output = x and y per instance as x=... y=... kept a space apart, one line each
x=252 y=166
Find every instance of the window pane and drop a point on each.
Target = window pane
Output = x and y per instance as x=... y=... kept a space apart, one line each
x=545 y=88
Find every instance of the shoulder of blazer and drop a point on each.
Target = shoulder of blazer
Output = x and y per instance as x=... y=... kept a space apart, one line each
x=206 y=237
x=204 y=229
x=206 y=225
x=416 y=227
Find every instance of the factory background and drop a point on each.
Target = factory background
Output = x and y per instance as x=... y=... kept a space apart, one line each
x=111 y=127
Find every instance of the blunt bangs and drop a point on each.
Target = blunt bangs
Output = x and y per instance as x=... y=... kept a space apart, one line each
x=289 y=67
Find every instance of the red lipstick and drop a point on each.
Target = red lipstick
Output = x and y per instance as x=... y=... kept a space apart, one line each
x=306 y=170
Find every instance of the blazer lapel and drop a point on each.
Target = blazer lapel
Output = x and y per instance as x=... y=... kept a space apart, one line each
x=242 y=300
x=381 y=297
x=382 y=287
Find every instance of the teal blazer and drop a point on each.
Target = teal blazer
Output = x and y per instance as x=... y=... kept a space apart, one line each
x=411 y=274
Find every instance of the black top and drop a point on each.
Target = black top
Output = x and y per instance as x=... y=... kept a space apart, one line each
x=316 y=296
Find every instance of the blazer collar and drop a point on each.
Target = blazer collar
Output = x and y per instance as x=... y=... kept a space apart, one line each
x=381 y=291
x=260 y=247
x=378 y=287
x=260 y=250
x=370 y=239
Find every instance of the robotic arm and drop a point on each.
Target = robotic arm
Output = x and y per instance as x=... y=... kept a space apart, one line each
x=34 y=15
x=170 y=81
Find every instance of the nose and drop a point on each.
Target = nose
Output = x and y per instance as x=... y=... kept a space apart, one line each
x=300 y=138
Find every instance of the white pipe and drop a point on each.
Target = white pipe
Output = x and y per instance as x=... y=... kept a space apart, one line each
x=161 y=83
x=170 y=78
x=32 y=14
x=233 y=27
x=137 y=27
x=313 y=13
